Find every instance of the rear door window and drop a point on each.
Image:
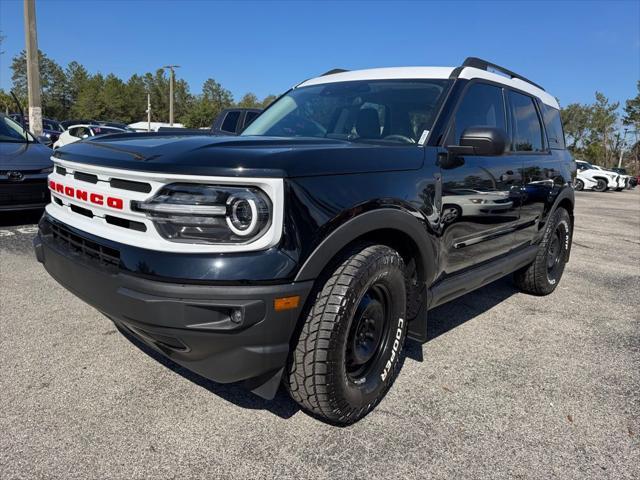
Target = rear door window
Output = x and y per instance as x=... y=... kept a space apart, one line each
x=249 y=117
x=527 y=132
x=230 y=122
x=553 y=126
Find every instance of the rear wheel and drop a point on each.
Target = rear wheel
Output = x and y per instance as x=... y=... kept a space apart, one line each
x=542 y=276
x=601 y=185
x=347 y=355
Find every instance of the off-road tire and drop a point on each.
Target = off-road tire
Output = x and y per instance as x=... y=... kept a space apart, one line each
x=317 y=377
x=537 y=278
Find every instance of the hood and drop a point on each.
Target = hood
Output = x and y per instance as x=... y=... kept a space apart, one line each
x=239 y=156
x=24 y=156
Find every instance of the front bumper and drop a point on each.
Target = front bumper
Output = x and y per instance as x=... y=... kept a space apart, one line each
x=190 y=324
x=30 y=194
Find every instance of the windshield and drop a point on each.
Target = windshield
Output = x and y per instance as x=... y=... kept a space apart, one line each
x=11 y=131
x=380 y=111
x=585 y=166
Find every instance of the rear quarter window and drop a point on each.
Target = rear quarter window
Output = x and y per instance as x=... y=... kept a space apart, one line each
x=553 y=125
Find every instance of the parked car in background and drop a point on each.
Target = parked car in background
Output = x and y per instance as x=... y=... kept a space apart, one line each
x=604 y=179
x=25 y=164
x=585 y=181
x=153 y=126
x=630 y=180
x=105 y=123
x=50 y=128
x=620 y=180
x=232 y=121
x=77 y=121
x=77 y=132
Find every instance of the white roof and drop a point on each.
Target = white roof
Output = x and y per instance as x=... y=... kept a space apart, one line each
x=429 y=73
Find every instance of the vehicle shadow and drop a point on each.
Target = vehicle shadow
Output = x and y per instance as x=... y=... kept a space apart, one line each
x=20 y=218
x=441 y=320
x=282 y=405
x=446 y=317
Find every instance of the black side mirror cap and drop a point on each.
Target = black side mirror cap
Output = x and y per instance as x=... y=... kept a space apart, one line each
x=481 y=141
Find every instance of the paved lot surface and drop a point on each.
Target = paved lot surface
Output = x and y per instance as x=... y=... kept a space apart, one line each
x=509 y=386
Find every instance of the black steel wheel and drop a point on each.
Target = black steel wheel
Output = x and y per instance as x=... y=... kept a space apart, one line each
x=348 y=351
x=542 y=276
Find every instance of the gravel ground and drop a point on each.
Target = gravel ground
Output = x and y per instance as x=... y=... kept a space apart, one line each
x=509 y=386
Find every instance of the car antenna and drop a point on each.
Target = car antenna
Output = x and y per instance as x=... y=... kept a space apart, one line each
x=24 y=127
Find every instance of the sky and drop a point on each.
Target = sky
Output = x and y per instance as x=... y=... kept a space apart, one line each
x=572 y=48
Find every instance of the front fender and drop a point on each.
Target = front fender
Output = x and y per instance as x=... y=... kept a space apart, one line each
x=387 y=219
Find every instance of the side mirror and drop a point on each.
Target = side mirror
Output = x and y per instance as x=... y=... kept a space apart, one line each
x=481 y=141
x=45 y=140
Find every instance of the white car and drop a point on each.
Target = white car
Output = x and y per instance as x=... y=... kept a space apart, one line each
x=471 y=203
x=604 y=179
x=76 y=133
x=621 y=181
x=584 y=181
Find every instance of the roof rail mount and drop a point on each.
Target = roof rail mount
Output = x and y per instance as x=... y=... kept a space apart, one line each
x=485 y=65
x=334 y=70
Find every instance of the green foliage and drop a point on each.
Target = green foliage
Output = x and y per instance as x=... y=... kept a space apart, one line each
x=52 y=82
x=7 y=103
x=249 y=101
x=268 y=100
x=592 y=130
x=632 y=110
x=576 y=120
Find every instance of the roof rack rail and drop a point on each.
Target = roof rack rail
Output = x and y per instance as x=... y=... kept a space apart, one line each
x=488 y=66
x=334 y=70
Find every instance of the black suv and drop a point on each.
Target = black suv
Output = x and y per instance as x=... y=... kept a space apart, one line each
x=305 y=250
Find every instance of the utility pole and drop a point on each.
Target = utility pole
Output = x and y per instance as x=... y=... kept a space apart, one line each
x=33 y=68
x=171 y=80
x=148 y=112
x=622 y=144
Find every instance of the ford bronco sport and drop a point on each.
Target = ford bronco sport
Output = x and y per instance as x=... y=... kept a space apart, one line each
x=305 y=250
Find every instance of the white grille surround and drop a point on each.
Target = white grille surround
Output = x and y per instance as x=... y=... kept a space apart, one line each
x=149 y=239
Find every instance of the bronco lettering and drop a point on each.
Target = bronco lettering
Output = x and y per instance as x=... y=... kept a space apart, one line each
x=95 y=198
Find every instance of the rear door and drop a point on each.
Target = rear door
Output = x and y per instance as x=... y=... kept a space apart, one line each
x=480 y=196
x=542 y=172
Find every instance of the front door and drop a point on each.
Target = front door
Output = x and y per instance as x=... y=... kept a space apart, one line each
x=481 y=195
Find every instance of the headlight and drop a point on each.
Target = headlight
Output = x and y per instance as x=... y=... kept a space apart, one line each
x=478 y=200
x=210 y=214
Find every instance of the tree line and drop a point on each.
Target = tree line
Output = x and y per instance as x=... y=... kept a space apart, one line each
x=595 y=132
x=74 y=92
x=598 y=132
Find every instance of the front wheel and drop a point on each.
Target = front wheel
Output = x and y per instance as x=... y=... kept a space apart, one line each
x=601 y=186
x=348 y=352
x=541 y=277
